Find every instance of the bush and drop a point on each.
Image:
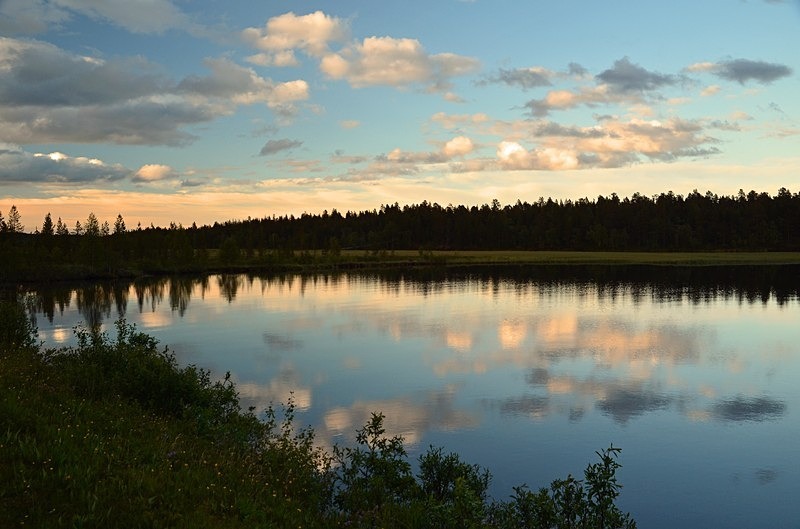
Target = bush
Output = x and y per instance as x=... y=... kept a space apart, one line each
x=16 y=328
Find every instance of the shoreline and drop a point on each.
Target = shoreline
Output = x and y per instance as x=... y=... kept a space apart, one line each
x=318 y=261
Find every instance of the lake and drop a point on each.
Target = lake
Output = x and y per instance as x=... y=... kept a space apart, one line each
x=527 y=371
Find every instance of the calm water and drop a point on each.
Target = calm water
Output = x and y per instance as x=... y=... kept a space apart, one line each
x=693 y=373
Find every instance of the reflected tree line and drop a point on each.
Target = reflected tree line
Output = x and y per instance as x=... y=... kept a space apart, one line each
x=666 y=222
x=102 y=300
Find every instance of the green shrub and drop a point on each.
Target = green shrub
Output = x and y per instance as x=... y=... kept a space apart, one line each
x=16 y=328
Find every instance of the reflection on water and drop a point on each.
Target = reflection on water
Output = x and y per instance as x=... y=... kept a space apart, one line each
x=529 y=371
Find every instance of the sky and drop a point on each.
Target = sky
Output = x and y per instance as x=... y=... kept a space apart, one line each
x=205 y=110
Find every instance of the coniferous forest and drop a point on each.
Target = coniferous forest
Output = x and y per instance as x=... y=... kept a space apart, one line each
x=667 y=222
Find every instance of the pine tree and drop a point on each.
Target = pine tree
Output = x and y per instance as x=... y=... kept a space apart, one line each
x=14 y=225
x=2 y=223
x=119 y=225
x=78 y=228
x=61 y=228
x=92 y=227
x=47 y=225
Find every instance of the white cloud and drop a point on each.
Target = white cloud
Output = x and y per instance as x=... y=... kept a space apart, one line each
x=458 y=146
x=349 y=123
x=154 y=173
x=394 y=62
x=612 y=143
x=513 y=156
x=602 y=94
x=310 y=33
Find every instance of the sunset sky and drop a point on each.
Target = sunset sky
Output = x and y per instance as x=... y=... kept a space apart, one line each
x=203 y=111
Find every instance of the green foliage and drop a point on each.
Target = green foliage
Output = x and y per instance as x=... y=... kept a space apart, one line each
x=374 y=477
x=569 y=503
x=16 y=328
x=133 y=367
x=229 y=252
x=453 y=489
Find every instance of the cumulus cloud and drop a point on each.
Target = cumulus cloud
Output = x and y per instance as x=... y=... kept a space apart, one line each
x=281 y=35
x=276 y=146
x=50 y=95
x=590 y=96
x=458 y=146
x=513 y=156
x=18 y=165
x=395 y=62
x=349 y=123
x=612 y=143
x=744 y=70
x=154 y=173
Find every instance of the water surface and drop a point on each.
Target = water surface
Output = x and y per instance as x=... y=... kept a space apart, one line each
x=693 y=372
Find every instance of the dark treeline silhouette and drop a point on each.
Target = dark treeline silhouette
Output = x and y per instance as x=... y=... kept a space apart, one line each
x=666 y=222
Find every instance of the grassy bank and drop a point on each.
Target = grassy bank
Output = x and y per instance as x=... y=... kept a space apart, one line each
x=500 y=257
x=38 y=268
x=112 y=433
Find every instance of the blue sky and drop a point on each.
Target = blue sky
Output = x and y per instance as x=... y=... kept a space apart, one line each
x=196 y=111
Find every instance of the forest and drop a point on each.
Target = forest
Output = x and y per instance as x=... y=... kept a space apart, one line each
x=666 y=222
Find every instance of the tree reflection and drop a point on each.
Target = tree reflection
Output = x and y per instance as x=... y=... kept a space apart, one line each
x=180 y=292
x=229 y=285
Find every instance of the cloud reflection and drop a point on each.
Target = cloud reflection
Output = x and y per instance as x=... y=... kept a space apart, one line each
x=748 y=409
x=405 y=416
x=280 y=390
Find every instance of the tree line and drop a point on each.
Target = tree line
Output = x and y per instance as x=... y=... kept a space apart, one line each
x=666 y=222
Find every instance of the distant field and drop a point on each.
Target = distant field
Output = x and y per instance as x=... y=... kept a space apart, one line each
x=567 y=257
